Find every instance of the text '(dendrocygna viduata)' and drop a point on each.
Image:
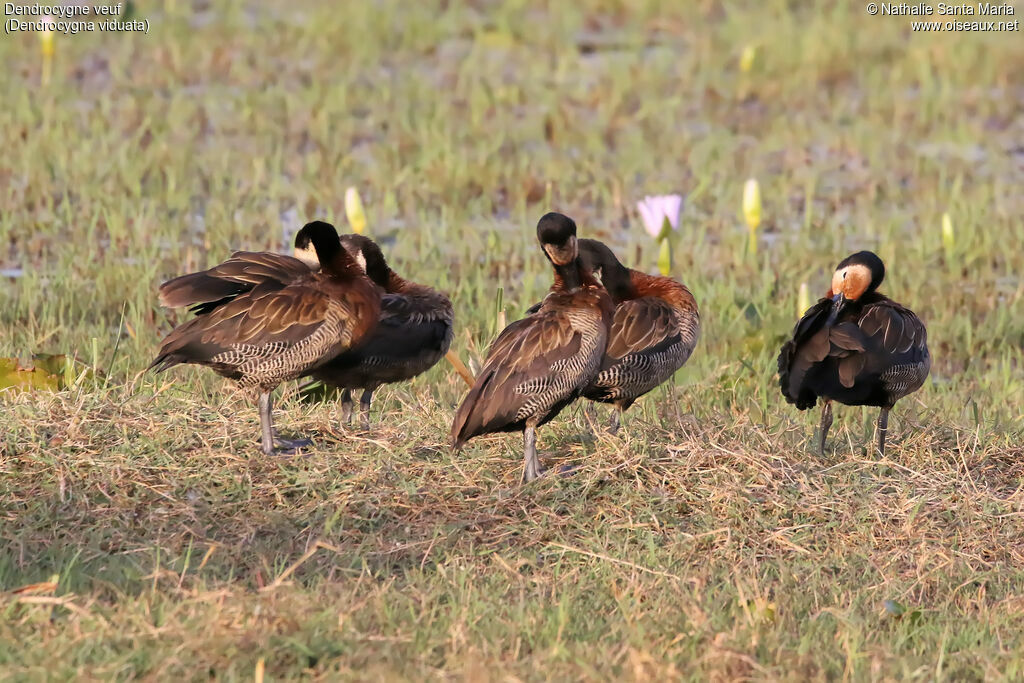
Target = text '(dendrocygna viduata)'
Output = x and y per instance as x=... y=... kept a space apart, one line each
x=540 y=364
x=264 y=318
x=855 y=346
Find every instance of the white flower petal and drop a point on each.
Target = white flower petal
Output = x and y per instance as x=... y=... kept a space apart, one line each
x=650 y=217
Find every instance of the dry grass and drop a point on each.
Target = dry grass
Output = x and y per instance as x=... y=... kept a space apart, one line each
x=704 y=549
x=707 y=542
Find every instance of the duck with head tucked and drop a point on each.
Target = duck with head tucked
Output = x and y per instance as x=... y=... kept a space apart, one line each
x=655 y=328
x=264 y=318
x=413 y=334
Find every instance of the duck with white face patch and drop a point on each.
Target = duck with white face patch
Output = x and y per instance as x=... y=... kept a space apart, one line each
x=855 y=346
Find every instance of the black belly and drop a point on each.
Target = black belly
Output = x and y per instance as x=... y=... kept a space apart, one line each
x=867 y=390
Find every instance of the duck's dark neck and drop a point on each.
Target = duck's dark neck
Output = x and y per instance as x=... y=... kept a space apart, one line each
x=336 y=261
x=871 y=297
x=572 y=276
x=618 y=280
x=395 y=283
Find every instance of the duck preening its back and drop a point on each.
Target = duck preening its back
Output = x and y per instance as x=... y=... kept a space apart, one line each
x=266 y=318
x=855 y=346
x=414 y=332
x=541 y=363
x=654 y=330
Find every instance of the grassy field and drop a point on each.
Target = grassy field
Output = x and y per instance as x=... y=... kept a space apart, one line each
x=707 y=541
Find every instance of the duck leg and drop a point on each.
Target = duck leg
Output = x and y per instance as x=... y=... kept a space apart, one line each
x=883 y=427
x=531 y=465
x=620 y=407
x=266 y=424
x=826 y=423
x=613 y=427
x=346 y=407
x=364 y=409
x=271 y=443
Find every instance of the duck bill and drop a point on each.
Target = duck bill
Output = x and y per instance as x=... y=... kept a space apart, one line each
x=838 y=303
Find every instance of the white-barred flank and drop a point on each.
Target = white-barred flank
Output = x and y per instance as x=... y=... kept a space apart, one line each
x=902 y=380
x=568 y=376
x=267 y=365
x=635 y=374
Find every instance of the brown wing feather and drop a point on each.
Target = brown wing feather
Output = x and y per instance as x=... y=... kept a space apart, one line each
x=886 y=341
x=258 y=318
x=639 y=325
x=523 y=353
x=808 y=345
x=896 y=328
x=902 y=361
x=270 y=334
x=241 y=273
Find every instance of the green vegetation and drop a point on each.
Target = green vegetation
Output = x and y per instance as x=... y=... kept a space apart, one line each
x=707 y=541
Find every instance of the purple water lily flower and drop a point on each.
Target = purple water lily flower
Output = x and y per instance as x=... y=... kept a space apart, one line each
x=655 y=210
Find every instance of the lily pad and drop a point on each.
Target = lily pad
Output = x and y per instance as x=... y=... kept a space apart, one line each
x=46 y=372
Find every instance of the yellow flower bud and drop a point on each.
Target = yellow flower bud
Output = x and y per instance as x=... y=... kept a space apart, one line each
x=803 y=300
x=354 y=211
x=948 y=238
x=665 y=257
x=752 y=204
x=747 y=58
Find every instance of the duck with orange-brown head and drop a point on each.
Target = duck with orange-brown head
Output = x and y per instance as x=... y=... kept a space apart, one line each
x=542 y=363
x=855 y=346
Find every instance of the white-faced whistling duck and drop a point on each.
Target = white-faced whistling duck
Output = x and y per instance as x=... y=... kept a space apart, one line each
x=540 y=364
x=654 y=330
x=265 y=318
x=855 y=346
x=413 y=334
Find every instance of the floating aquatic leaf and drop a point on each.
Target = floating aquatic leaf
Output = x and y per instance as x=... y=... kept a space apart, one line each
x=15 y=376
x=47 y=372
